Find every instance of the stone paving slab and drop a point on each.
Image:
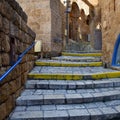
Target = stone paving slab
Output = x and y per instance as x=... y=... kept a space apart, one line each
x=56 y=115
x=27 y=115
x=81 y=114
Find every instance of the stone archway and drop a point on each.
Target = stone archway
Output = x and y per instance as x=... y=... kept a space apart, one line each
x=74 y=22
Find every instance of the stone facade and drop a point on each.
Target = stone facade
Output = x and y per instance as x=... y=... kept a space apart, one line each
x=46 y=20
x=15 y=37
x=110 y=20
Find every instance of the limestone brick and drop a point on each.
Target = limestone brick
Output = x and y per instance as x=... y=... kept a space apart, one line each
x=3 y=111
x=13 y=86
x=1 y=22
x=14 y=30
x=6 y=25
x=5 y=59
x=6 y=44
x=9 y=105
x=4 y=92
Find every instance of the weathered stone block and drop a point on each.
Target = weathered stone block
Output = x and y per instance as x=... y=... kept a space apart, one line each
x=3 y=111
x=17 y=20
x=6 y=10
x=5 y=59
x=81 y=114
x=31 y=33
x=23 y=78
x=4 y=92
x=6 y=25
x=2 y=36
x=56 y=99
x=19 y=10
x=56 y=115
x=24 y=26
x=13 y=86
x=1 y=22
x=6 y=44
x=14 y=31
x=9 y=105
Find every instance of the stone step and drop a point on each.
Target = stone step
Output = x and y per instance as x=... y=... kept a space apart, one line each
x=72 y=85
x=64 y=92
x=72 y=73
x=49 y=97
x=77 y=59
x=82 y=54
x=55 y=63
x=62 y=76
x=75 y=51
x=89 y=111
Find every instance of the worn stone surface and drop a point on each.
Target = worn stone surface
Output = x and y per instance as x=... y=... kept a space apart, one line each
x=79 y=114
x=13 y=44
x=56 y=115
x=41 y=14
x=31 y=115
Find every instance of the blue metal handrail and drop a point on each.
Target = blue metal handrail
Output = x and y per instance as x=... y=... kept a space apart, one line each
x=18 y=61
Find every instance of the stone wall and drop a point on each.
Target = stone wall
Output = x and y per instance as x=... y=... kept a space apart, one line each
x=15 y=37
x=45 y=20
x=110 y=11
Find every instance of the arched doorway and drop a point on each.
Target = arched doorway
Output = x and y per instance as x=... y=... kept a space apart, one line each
x=74 y=22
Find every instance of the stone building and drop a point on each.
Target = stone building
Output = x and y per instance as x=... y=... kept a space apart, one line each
x=15 y=37
x=95 y=18
x=47 y=19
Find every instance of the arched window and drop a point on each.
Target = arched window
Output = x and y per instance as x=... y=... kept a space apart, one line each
x=116 y=53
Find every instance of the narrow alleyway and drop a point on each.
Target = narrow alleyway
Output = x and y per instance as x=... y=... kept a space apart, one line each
x=70 y=87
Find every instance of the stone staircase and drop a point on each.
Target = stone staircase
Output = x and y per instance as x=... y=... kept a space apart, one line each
x=70 y=87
